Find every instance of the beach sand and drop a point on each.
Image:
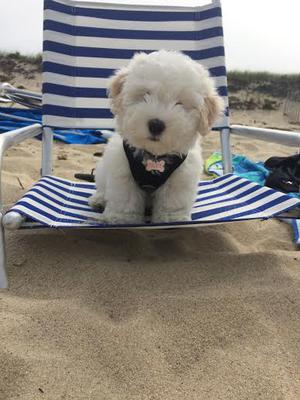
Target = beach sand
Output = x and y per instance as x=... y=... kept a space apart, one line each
x=207 y=313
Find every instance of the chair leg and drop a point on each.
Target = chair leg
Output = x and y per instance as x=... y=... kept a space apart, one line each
x=3 y=276
x=226 y=151
x=47 y=151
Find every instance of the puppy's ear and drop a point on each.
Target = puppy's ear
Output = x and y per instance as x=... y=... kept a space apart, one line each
x=209 y=111
x=212 y=104
x=114 y=89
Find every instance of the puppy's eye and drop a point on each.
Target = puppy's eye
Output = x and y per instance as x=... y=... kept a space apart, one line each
x=179 y=104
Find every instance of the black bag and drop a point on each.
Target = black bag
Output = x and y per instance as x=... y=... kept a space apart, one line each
x=285 y=173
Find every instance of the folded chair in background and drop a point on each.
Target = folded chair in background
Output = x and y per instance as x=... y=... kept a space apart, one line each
x=84 y=42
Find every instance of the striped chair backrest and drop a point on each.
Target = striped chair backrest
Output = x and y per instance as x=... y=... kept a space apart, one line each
x=85 y=42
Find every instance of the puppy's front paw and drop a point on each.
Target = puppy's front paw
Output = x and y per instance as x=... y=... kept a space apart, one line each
x=110 y=218
x=170 y=217
x=97 y=200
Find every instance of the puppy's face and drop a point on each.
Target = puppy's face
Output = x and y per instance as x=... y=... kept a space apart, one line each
x=163 y=101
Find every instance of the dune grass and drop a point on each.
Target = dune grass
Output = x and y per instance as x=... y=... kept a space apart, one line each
x=262 y=76
x=277 y=85
x=34 y=59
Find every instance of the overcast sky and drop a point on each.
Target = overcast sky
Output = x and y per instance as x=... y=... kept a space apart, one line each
x=259 y=34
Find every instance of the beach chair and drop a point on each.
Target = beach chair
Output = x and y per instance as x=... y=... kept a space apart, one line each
x=84 y=42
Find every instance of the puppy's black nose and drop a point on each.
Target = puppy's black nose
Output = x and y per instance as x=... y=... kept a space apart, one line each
x=156 y=126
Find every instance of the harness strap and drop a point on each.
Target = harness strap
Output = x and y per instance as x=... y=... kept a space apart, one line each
x=148 y=170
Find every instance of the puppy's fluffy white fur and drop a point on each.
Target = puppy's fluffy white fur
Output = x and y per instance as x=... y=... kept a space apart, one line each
x=173 y=88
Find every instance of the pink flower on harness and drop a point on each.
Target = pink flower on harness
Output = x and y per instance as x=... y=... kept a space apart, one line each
x=153 y=165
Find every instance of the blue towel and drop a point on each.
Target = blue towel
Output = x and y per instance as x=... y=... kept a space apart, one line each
x=242 y=166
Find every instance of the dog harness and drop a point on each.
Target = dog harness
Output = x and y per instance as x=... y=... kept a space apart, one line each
x=148 y=170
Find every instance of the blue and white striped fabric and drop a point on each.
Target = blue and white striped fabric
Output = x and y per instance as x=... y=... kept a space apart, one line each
x=83 y=45
x=60 y=203
x=296 y=226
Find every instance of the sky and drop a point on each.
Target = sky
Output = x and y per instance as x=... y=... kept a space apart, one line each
x=260 y=35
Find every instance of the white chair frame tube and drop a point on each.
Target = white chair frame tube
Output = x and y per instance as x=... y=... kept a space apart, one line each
x=3 y=276
x=8 y=140
x=148 y=4
x=13 y=90
x=226 y=150
x=47 y=152
x=286 y=138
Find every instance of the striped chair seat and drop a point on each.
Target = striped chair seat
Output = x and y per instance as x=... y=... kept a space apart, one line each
x=60 y=203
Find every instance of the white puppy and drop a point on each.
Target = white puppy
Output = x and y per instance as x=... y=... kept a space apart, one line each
x=163 y=102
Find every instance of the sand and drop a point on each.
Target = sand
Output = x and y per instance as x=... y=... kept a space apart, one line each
x=206 y=313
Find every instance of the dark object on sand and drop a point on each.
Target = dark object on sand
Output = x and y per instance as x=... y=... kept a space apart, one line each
x=86 y=177
x=285 y=173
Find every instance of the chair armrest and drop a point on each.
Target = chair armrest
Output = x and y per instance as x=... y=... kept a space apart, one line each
x=286 y=138
x=9 y=139
x=12 y=138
